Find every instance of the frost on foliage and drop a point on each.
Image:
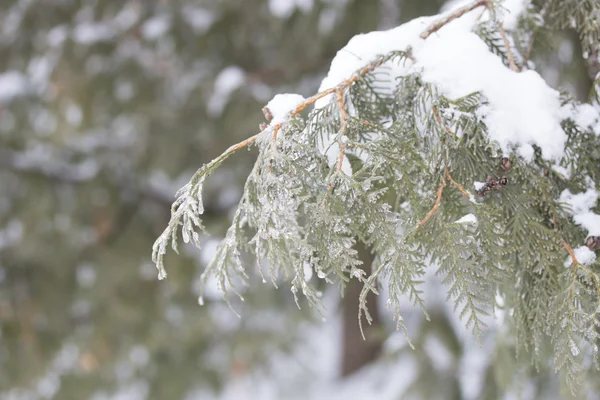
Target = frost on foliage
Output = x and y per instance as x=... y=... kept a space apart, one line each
x=580 y=207
x=185 y=216
x=403 y=129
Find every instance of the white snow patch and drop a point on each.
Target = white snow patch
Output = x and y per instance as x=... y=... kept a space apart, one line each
x=331 y=149
x=127 y=17
x=90 y=33
x=308 y=272
x=12 y=84
x=527 y=152
x=584 y=255
x=467 y=219
x=228 y=80
x=439 y=354
x=522 y=111
x=586 y=116
x=285 y=8
x=562 y=171
x=282 y=105
x=580 y=204
x=478 y=185
x=514 y=8
x=57 y=35
x=199 y=19
x=156 y=27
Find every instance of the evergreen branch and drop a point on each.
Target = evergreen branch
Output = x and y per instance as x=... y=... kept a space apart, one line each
x=187 y=208
x=439 y=120
x=448 y=176
x=509 y=54
x=564 y=243
x=595 y=90
x=451 y=17
x=529 y=50
x=459 y=187
x=342 y=85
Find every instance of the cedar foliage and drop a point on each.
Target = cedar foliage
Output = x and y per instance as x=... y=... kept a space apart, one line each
x=413 y=152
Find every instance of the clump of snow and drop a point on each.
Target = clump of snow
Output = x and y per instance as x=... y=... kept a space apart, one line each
x=522 y=110
x=467 y=219
x=478 y=185
x=562 y=171
x=585 y=115
x=285 y=8
x=526 y=151
x=514 y=8
x=282 y=105
x=581 y=204
x=584 y=255
x=228 y=80
x=308 y=272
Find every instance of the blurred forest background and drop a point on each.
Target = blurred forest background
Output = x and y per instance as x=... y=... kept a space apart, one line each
x=106 y=108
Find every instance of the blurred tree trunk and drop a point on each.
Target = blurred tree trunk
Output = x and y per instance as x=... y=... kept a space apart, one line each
x=356 y=351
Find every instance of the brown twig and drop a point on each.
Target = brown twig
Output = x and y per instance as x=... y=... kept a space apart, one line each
x=343 y=117
x=341 y=86
x=440 y=122
x=458 y=186
x=438 y=200
x=451 y=17
x=275 y=130
x=341 y=156
x=571 y=252
x=243 y=143
x=343 y=113
x=564 y=243
x=509 y=54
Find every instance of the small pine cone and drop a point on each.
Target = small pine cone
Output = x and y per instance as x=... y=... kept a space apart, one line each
x=506 y=163
x=268 y=113
x=504 y=180
x=593 y=242
x=485 y=189
x=263 y=126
